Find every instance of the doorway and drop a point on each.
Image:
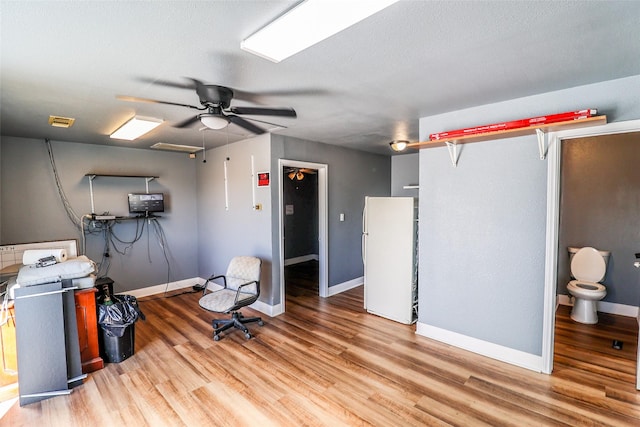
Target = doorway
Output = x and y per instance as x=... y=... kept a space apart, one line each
x=296 y=173
x=300 y=199
x=553 y=251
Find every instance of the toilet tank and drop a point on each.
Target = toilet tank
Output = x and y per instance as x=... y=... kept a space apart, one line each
x=573 y=250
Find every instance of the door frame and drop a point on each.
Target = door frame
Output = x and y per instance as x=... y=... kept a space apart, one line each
x=553 y=226
x=323 y=226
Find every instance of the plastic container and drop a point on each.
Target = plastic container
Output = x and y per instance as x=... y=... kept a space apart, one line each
x=117 y=322
x=117 y=349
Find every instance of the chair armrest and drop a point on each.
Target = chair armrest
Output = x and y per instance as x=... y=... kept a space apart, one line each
x=212 y=278
x=242 y=286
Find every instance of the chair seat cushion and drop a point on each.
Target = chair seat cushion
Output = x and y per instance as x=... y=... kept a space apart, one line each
x=223 y=300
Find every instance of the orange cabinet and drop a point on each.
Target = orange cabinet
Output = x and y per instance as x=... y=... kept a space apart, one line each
x=87 y=319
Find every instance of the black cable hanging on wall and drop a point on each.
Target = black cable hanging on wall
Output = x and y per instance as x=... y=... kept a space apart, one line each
x=71 y=214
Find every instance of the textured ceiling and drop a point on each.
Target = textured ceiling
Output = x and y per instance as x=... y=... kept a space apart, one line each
x=360 y=88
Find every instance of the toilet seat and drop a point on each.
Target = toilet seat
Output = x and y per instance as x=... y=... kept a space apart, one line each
x=586 y=286
x=588 y=266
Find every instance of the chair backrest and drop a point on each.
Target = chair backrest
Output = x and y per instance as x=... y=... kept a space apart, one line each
x=243 y=269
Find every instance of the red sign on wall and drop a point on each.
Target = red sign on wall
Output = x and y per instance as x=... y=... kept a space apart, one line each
x=263 y=179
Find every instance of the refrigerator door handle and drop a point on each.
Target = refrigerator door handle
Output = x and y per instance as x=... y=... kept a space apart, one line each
x=364 y=233
x=364 y=248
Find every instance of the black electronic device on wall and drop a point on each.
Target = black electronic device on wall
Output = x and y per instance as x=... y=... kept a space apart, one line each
x=146 y=203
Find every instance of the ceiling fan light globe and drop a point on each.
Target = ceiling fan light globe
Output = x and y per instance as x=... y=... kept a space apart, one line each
x=214 y=122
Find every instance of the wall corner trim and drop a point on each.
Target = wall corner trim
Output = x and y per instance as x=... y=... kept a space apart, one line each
x=484 y=348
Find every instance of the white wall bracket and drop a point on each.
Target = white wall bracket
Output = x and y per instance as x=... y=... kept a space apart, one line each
x=542 y=143
x=91 y=178
x=147 y=180
x=452 y=146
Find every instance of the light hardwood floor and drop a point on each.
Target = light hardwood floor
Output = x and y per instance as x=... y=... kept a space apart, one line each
x=326 y=362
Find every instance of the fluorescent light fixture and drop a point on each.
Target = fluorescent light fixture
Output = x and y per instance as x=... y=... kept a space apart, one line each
x=175 y=147
x=135 y=128
x=307 y=24
x=398 y=145
x=213 y=121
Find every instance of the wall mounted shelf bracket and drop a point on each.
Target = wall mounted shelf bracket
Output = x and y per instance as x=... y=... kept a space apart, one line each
x=147 y=180
x=452 y=146
x=542 y=143
x=92 y=176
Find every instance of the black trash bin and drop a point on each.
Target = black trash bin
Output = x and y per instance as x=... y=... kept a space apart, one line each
x=117 y=322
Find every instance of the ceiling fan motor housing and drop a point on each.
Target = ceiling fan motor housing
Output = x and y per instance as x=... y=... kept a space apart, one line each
x=215 y=95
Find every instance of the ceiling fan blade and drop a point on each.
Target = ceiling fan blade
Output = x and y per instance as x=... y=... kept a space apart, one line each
x=265 y=122
x=262 y=111
x=246 y=124
x=187 y=122
x=155 y=101
x=168 y=83
x=205 y=92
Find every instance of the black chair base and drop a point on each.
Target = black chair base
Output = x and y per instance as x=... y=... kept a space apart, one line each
x=237 y=320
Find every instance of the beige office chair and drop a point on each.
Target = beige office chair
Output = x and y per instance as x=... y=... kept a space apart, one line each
x=240 y=287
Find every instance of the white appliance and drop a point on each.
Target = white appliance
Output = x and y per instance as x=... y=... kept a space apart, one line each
x=389 y=254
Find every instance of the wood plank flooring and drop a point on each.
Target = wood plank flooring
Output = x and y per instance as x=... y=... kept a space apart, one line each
x=326 y=362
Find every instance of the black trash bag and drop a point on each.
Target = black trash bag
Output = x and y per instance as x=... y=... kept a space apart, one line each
x=115 y=318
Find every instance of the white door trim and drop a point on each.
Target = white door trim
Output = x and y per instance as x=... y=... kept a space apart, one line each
x=553 y=225
x=323 y=227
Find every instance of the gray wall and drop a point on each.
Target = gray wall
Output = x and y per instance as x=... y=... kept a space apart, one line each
x=600 y=207
x=301 y=227
x=240 y=229
x=352 y=175
x=482 y=224
x=405 y=170
x=32 y=210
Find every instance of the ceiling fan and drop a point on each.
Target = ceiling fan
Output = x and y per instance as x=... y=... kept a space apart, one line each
x=298 y=173
x=215 y=102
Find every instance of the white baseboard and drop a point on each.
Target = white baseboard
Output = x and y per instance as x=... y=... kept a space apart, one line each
x=299 y=259
x=345 y=286
x=159 y=289
x=484 y=348
x=605 y=307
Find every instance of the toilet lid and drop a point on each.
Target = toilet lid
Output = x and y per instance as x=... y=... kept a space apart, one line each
x=588 y=265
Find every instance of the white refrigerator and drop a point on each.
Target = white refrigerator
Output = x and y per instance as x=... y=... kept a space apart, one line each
x=389 y=254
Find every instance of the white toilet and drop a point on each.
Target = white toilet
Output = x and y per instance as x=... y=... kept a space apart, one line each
x=588 y=267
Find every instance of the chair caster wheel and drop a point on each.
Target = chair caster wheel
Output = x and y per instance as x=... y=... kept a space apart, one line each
x=216 y=337
x=247 y=335
x=261 y=323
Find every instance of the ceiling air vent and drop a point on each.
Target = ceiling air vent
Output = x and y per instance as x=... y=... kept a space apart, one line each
x=61 y=122
x=176 y=147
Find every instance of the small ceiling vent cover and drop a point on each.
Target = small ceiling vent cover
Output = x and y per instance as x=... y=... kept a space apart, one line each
x=176 y=147
x=61 y=122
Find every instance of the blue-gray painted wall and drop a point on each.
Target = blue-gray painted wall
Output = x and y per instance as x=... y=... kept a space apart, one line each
x=32 y=210
x=482 y=224
x=352 y=175
x=600 y=207
x=234 y=229
x=405 y=171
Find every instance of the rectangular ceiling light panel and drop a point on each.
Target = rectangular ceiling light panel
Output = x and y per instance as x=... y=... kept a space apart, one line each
x=307 y=24
x=135 y=128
